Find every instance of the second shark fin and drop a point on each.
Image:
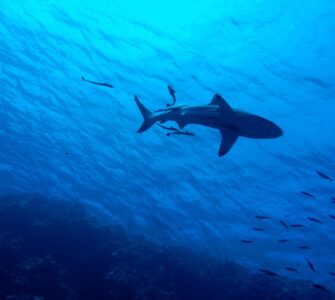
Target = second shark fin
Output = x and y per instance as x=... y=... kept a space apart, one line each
x=224 y=106
x=228 y=138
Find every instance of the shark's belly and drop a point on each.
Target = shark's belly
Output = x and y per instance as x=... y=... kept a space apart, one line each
x=244 y=124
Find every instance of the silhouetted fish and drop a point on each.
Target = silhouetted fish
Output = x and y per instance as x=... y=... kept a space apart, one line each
x=173 y=95
x=332 y=217
x=97 y=83
x=314 y=220
x=297 y=225
x=322 y=288
x=257 y=229
x=247 y=241
x=283 y=241
x=332 y=273
x=179 y=132
x=333 y=198
x=323 y=175
x=262 y=217
x=308 y=194
x=268 y=272
x=168 y=128
x=291 y=269
x=304 y=247
x=283 y=223
x=311 y=266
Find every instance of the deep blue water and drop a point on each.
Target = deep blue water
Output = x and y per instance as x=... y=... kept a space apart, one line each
x=63 y=138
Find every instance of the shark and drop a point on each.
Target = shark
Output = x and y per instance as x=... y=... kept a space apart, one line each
x=218 y=114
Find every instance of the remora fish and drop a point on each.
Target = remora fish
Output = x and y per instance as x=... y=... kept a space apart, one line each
x=172 y=92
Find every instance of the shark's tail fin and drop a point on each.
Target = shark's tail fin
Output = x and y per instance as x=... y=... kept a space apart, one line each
x=148 y=122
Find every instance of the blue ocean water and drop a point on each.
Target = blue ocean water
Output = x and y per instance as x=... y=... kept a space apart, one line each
x=66 y=139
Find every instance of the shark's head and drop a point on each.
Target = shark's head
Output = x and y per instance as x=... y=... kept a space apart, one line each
x=272 y=130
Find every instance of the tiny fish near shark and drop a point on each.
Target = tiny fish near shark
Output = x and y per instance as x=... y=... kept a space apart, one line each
x=172 y=93
x=97 y=83
x=217 y=114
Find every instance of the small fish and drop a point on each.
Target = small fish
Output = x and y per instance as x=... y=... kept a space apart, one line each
x=97 y=83
x=257 y=229
x=297 y=225
x=333 y=198
x=168 y=128
x=172 y=92
x=322 y=288
x=291 y=269
x=268 y=272
x=262 y=217
x=332 y=217
x=247 y=241
x=314 y=220
x=179 y=132
x=323 y=175
x=175 y=131
x=308 y=194
x=332 y=273
x=283 y=241
x=283 y=223
x=311 y=266
x=304 y=247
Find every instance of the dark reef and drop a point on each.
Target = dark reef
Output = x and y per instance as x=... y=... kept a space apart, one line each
x=51 y=249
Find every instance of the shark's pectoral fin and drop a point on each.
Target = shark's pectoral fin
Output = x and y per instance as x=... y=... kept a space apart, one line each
x=224 y=106
x=228 y=138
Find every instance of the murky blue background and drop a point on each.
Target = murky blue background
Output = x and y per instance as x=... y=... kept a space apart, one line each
x=274 y=59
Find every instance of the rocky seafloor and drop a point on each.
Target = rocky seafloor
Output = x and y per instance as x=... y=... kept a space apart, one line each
x=52 y=249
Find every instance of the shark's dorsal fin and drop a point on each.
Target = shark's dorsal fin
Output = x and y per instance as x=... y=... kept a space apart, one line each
x=228 y=138
x=218 y=100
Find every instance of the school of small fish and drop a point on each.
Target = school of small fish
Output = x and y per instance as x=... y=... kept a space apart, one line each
x=309 y=263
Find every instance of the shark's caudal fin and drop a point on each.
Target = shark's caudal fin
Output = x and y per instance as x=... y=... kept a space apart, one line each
x=148 y=122
x=228 y=138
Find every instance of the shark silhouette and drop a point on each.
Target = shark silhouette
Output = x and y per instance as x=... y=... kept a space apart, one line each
x=217 y=114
